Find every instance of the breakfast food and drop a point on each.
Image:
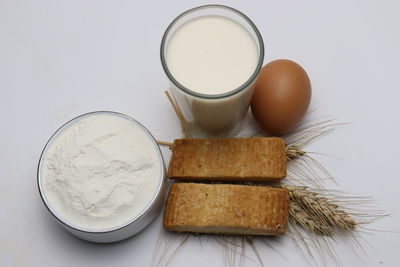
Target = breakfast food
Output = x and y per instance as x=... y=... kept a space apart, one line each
x=228 y=159
x=212 y=56
x=226 y=209
x=281 y=96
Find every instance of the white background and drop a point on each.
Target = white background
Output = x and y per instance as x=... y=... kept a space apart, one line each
x=59 y=59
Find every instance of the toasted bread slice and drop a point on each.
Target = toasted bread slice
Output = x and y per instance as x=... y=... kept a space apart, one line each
x=228 y=159
x=226 y=209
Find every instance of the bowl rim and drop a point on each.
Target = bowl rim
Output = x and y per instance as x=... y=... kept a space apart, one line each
x=140 y=215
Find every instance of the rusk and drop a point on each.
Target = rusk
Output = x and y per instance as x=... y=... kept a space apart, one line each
x=228 y=159
x=226 y=209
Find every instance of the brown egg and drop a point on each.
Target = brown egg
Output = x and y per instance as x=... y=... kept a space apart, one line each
x=281 y=96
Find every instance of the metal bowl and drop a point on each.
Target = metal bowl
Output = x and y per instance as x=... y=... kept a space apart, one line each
x=130 y=227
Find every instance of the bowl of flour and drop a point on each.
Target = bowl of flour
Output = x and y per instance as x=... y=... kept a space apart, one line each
x=102 y=176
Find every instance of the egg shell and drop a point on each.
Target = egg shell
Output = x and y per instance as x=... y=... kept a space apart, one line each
x=281 y=96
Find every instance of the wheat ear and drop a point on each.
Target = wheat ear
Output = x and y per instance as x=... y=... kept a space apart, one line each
x=307 y=206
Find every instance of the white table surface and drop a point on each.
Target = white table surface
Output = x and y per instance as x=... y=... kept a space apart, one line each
x=59 y=59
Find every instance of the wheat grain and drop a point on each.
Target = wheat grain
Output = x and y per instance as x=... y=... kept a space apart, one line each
x=307 y=206
x=293 y=152
x=299 y=216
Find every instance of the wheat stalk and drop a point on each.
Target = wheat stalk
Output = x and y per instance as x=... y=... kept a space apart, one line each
x=164 y=143
x=184 y=124
x=301 y=164
x=316 y=213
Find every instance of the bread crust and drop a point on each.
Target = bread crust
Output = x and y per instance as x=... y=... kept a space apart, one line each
x=226 y=209
x=228 y=159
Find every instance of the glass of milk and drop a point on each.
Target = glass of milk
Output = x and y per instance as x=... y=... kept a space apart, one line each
x=212 y=56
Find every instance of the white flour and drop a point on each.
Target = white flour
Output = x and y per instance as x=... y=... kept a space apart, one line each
x=100 y=172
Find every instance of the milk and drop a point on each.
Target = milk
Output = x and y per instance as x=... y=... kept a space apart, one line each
x=212 y=56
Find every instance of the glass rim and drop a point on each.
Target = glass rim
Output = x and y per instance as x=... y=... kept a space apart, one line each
x=212 y=96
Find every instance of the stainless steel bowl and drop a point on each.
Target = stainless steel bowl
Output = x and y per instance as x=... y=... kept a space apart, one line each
x=129 y=228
